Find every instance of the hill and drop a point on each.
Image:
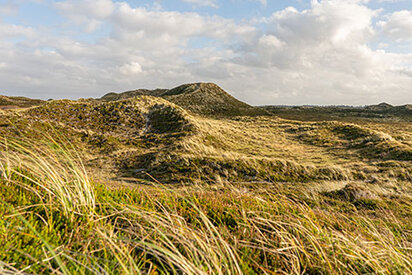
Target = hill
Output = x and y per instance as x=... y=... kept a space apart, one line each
x=199 y=98
x=13 y=102
x=379 y=107
x=134 y=93
x=380 y=112
x=142 y=185
x=128 y=118
x=387 y=108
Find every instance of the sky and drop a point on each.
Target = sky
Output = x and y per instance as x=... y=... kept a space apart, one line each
x=264 y=52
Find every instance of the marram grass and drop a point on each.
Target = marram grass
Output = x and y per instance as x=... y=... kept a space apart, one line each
x=56 y=220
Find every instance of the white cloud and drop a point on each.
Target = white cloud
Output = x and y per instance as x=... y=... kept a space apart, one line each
x=270 y=42
x=96 y=9
x=331 y=34
x=316 y=56
x=206 y=3
x=398 y=25
x=88 y=12
x=325 y=57
x=262 y=2
x=13 y=31
x=131 y=68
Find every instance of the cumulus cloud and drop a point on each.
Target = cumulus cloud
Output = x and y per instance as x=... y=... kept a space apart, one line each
x=13 y=31
x=175 y=25
x=132 y=68
x=398 y=25
x=316 y=56
x=91 y=13
x=331 y=34
x=207 y=3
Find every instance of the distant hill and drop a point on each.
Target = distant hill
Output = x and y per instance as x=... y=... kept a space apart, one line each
x=385 y=107
x=14 y=102
x=316 y=113
x=379 y=107
x=199 y=98
x=134 y=93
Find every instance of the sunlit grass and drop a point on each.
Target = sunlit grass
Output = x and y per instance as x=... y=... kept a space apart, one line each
x=56 y=220
x=53 y=169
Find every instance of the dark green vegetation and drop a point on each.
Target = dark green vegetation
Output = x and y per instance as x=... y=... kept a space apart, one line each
x=13 y=102
x=136 y=183
x=200 y=98
x=380 y=113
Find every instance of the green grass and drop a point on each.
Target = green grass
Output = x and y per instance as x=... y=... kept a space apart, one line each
x=56 y=219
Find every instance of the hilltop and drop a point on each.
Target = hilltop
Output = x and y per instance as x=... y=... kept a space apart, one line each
x=199 y=98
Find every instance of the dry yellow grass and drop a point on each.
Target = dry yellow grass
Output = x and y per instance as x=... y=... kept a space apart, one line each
x=198 y=229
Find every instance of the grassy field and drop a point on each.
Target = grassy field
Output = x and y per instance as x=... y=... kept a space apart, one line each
x=142 y=186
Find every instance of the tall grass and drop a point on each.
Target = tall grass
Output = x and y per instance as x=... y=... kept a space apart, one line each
x=51 y=167
x=199 y=229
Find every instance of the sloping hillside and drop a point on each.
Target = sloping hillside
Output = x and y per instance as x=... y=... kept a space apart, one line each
x=380 y=107
x=12 y=102
x=134 y=93
x=378 y=113
x=199 y=98
x=387 y=108
x=127 y=118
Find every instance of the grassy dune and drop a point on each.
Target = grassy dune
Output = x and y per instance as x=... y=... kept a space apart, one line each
x=58 y=220
x=12 y=102
x=144 y=186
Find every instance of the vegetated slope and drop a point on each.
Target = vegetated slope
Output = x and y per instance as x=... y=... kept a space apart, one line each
x=379 y=107
x=146 y=134
x=134 y=93
x=12 y=102
x=385 y=107
x=366 y=142
x=209 y=99
x=379 y=113
x=126 y=118
x=199 y=98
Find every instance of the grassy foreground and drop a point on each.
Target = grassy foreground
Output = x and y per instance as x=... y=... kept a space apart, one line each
x=56 y=219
